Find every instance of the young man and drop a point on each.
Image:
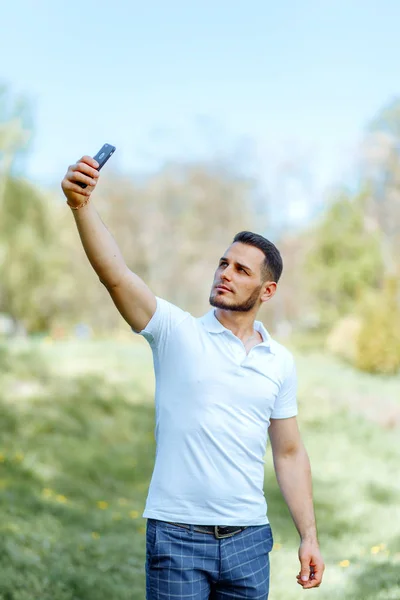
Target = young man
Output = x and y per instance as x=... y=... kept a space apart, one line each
x=222 y=385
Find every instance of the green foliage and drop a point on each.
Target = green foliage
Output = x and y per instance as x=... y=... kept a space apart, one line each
x=378 y=344
x=74 y=468
x=25 y=364
x=344 y=259
x=30 y=263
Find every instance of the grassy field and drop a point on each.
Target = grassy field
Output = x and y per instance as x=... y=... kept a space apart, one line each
x=76 y=456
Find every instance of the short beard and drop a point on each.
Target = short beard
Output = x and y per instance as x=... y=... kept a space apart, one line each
x=245 y=306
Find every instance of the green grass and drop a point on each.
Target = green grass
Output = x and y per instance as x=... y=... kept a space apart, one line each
x=76 y=456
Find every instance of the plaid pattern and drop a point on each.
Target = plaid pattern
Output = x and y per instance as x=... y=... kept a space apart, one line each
x=182 y=563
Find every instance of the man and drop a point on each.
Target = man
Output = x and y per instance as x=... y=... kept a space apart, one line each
x=222 y=385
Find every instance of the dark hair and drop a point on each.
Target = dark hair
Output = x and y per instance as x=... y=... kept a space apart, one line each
x=273 y=265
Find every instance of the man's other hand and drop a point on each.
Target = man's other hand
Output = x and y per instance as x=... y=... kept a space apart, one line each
x=312 y=565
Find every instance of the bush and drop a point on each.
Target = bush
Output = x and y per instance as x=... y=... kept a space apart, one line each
x=343 y=338
x=378 y=342
x=370 y=339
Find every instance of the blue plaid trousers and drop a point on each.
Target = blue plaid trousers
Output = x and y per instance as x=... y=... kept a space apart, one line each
x=182 y=563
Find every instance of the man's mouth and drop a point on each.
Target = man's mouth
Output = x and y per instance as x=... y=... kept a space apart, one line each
x=223 y=288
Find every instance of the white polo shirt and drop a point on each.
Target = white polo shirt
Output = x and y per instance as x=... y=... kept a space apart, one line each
x=213 y=409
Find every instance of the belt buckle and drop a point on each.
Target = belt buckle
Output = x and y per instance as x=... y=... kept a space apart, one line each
x=220 y=536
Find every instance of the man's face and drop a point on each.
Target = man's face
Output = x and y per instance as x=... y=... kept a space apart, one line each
x=237 y=281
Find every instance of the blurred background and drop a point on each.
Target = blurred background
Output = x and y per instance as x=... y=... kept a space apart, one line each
x=283 y=119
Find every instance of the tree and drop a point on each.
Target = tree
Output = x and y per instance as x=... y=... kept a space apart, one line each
x=15 y=133
x=30 y=262
x=378 y=342
x=381 y=177
x=23 y=227
x=344 y=258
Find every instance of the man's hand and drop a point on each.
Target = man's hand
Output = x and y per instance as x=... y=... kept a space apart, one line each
x=84 y=171
x=312 y=565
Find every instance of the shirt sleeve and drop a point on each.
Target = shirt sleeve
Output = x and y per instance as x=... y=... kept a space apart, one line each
x=167 y=316
x=286 y=402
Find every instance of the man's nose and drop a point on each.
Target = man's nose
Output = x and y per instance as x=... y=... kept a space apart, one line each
x=227 y=273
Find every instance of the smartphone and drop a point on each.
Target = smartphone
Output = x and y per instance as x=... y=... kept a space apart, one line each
x=102 y=157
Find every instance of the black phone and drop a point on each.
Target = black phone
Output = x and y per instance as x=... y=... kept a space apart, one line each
x=102 y=157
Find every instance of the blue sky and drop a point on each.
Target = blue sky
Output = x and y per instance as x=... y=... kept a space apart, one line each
x=294 y=79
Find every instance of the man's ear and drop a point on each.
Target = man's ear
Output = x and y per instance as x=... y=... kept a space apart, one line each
x=269 y=291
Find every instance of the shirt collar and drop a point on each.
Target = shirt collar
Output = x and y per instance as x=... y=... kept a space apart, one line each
x=212 y=325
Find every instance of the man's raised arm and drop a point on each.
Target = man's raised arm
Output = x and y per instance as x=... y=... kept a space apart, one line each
x=133 y=298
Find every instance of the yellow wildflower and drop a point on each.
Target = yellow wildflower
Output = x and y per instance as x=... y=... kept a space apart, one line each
x=375 y=549
x=277 y=546
x=47 y=492
x=134 y=514
x=95 y=535
x=2 y=457
x=102 y=505
x=61 y=498
x=344 y=563
x=19 y=456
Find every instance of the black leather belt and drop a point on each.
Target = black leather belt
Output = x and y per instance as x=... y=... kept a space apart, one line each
x=216 y=530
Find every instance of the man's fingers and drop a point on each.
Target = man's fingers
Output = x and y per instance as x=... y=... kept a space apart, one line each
x=85 y=168
x=70 y=186
x=89 y=161
x=305 y=571
x=83 y=173
x=311 y=583
x=307 y=585
x=82 y=167
x=313 y=575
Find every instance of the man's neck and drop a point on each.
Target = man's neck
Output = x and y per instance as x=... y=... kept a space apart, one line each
x=241 y=324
